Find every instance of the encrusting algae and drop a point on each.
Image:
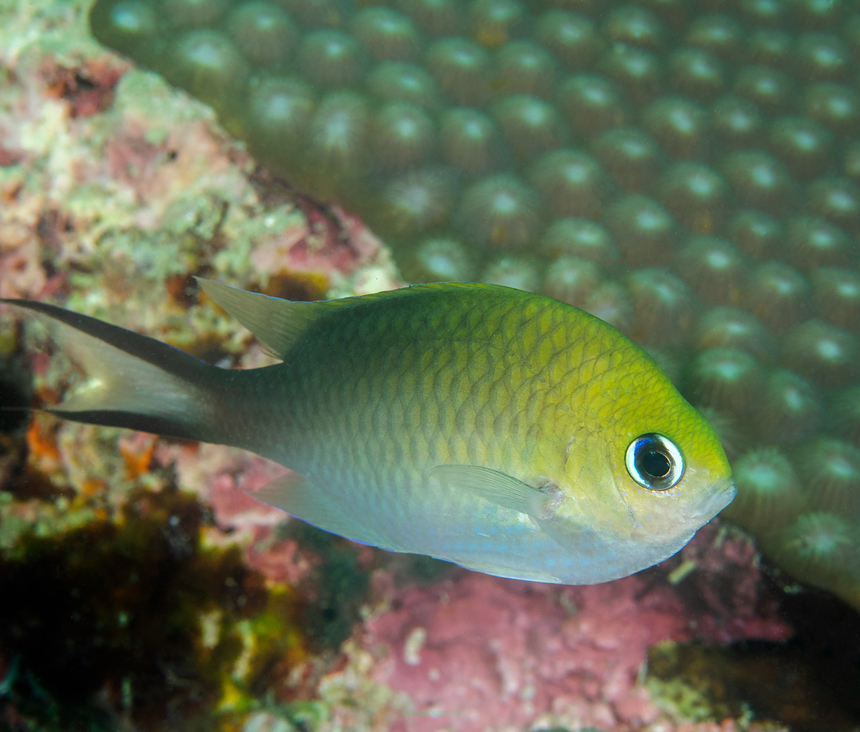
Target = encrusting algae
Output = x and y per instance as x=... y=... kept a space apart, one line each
x=708 y=146
x=132 y=609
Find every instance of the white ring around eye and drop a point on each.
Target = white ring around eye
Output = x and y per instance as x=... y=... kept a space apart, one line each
x=654 y=462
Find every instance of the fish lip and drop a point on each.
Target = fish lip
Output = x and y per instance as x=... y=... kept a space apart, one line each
x=722 y=493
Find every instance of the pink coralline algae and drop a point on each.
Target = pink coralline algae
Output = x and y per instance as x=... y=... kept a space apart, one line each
x=482 y=651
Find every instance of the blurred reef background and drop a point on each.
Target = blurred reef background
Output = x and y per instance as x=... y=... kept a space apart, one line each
x=687 y=170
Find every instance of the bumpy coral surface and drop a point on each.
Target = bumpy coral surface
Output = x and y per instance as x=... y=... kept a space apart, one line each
x=686 y=171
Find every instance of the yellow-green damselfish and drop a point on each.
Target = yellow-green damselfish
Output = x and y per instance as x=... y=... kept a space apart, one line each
x=505 y=431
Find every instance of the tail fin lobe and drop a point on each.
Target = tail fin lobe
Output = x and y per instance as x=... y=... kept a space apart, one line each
x=131 y=380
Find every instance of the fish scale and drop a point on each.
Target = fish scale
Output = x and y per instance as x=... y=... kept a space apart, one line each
x=474 y=423
x=368 y=384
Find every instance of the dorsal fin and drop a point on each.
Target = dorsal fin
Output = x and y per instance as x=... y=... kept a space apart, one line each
x=274 y=321
x=277 y=323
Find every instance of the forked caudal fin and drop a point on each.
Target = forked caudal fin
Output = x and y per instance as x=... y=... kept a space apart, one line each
x=132 y=380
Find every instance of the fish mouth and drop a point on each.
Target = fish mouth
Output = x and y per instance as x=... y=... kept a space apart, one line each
x=722 y=493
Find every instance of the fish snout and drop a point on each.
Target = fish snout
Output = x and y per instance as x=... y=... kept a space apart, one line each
x=721 y=494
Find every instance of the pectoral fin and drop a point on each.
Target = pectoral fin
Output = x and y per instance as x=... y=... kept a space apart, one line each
x=502 y=489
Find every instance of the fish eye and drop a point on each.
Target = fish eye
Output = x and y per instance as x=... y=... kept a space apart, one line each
x=654 y=462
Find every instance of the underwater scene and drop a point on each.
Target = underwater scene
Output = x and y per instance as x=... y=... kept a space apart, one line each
x=612 y=485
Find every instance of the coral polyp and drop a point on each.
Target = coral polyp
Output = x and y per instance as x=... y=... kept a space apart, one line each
x=760 y=180
x=462 y=68
x=339 y=142
x=823 y=353
x=582 y=238
x=571 y=280
x=403 y=136
x=280 y=112
x=697 y=74
x=472 y=141
x=734 y=328
x=525 y=67
x=659 y=298
x=725 y=379
x=737 y=123
x=818 y=543
x=834 y=106
x=209 y=65
x=435 y=17
x=264 y=33
x=803 y=145
x=591 y=104
x=717 y=33
x=571 y=183
x=814 y=243
x=568 y=36
x=831 y=469
x=713 y=269
x=416 y=204
x=790 y=409
x=530 y=126
x=331 y=59
x=679 y=125
x=631 y=157
x=500 y=212
x=646 y=232
x=440 y=260
x=394 y=81
x=194 y=13
x=130 y=24
x=778 y=296
x=386 y=34
x=695 y=195
x=769 y=490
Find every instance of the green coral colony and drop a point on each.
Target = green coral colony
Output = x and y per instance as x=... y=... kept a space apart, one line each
x=688 y=171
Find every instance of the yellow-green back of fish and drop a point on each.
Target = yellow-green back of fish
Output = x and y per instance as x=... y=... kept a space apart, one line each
x=478 y=424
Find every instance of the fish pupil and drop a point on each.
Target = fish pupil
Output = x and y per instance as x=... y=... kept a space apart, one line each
x=654 y=464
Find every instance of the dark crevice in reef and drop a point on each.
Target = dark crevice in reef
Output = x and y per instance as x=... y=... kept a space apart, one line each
x=808 y=683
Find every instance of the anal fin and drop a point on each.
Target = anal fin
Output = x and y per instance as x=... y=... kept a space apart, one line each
x=304 y=500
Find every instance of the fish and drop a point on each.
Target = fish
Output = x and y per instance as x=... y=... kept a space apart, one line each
x=501 y=430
